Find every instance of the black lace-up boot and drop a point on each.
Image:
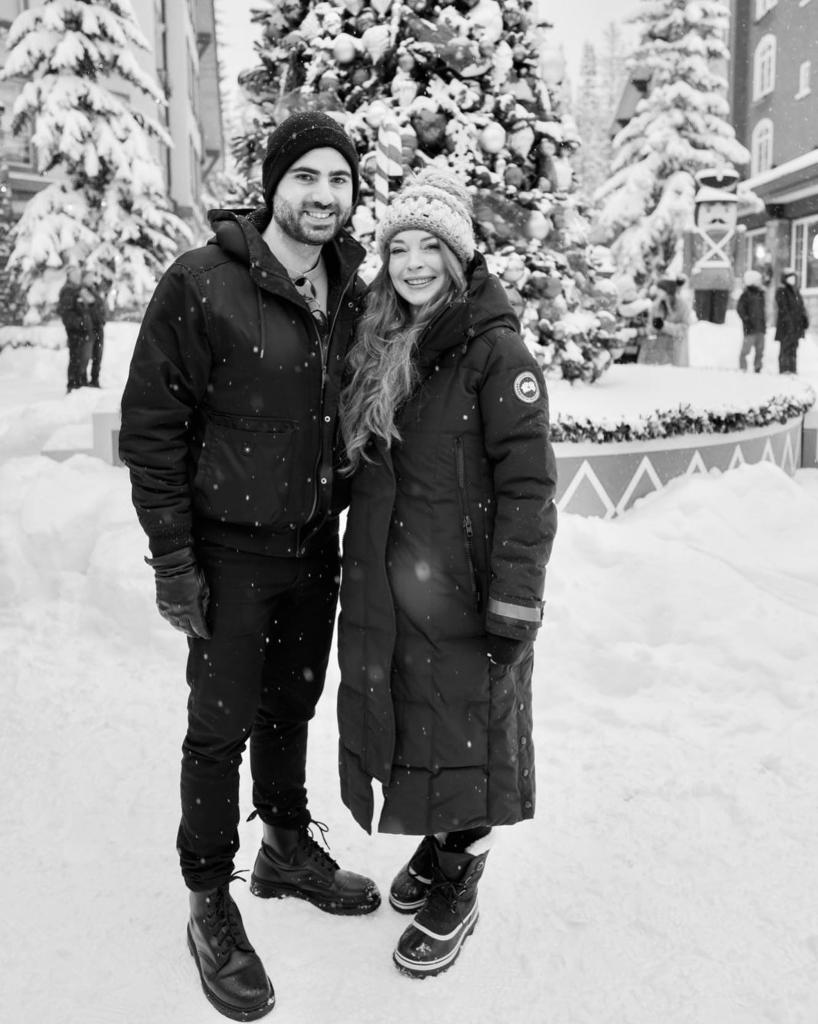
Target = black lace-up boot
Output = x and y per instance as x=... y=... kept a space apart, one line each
x=433 y=941
x=291 y=863
x=410 y=886
x=233 y=977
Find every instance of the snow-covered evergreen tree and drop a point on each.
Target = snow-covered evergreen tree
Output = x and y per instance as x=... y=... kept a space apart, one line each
x=592 y=110
x=107 y=207
x=468 y=84
x=8 y=293
x=682 y=126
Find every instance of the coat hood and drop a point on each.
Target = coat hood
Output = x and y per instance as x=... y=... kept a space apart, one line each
x=238 y=233
x=484 y=307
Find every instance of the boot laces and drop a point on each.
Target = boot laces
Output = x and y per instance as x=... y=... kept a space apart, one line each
x=311 y=847
x=448 y=893
x=223 y=919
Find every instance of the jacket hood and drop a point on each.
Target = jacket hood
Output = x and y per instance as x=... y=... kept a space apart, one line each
x=484 y=307
x=238 y=233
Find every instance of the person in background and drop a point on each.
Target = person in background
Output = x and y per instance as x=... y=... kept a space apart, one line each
x=97 y=311
x=229 y=422
x=74 y=309
x=751 y=309
x=791 y=321
x=451 y=523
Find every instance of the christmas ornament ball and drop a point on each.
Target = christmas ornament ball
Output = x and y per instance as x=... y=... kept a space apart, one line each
x=538 y=225
x=492 y=138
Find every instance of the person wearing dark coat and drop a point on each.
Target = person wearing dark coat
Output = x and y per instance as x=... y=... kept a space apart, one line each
x=229 y=430
x=751 y=309
x=450 y=527
x=791 y=320
x=73 y=308
x=97 y=316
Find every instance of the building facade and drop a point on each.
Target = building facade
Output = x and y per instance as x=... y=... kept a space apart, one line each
x=774 y=99
x=183 y=60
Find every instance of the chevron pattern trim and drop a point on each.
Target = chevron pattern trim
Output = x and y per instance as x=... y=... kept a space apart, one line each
x=606 y=480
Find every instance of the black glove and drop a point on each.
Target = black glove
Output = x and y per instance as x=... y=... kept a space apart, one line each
x=182 y=593
x=505 y=650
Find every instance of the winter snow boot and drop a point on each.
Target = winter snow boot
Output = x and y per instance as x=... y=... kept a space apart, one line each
x=410 y=886
x=232 y=975
x=291 y=863
x=433 y=941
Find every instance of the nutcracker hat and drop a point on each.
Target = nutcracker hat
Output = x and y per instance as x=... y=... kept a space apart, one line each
x=297 y=135
x=434 y=200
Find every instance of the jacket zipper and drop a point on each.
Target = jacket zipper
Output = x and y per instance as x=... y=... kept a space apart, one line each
x=324 y=374
x=468 y=529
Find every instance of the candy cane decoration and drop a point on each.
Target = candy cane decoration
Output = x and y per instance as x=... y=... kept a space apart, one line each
x=387 y=162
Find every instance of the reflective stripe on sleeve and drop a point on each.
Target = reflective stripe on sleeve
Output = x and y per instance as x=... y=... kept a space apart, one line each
x=514 y=611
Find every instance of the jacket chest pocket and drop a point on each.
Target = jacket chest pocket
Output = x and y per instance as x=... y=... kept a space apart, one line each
x=244 y=471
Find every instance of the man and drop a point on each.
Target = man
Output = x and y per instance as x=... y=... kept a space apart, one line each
x=73 y=308
x=791 y=320
x=229 y=431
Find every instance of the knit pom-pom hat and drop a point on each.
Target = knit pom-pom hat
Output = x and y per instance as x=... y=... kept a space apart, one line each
x=434 y=200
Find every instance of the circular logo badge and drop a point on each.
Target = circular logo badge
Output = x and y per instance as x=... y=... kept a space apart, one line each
x=526 y=387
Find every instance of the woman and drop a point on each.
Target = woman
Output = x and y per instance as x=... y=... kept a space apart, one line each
x=452 y=517
x=671 y=320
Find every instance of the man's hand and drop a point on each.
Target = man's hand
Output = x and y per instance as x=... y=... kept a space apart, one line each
x=505 y=650
x=182 y=593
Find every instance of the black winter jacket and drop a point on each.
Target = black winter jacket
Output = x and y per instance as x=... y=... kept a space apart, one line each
x=228 y=419
x=447 y=538
x=73 y=311
x=791 y=314
x=751 y=308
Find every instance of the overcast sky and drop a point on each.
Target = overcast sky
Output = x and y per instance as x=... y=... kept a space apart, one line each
x=575 y=21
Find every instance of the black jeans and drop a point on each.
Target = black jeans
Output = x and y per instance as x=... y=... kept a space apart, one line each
x=97 y=343
x=258 y=678
x=79 y=352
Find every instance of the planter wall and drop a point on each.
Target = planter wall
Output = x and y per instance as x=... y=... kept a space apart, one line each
x=605 y=480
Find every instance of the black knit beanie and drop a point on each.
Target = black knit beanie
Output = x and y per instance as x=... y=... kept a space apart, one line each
x=301 y=132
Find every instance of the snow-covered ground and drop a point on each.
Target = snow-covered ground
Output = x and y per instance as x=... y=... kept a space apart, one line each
x=671 y=873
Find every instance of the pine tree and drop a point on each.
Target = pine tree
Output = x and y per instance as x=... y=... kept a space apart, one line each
x=107 y=210
x=681 y=127
x=8 y=292
x=463 y=83
x=593 y=116
x=611 y=65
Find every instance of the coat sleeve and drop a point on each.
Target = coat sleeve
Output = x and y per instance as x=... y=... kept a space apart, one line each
x=514 y=409
x=167 y=379
x=743 y=312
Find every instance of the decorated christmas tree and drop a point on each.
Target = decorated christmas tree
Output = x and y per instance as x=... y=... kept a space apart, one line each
x=107 y=211
x=471 y=85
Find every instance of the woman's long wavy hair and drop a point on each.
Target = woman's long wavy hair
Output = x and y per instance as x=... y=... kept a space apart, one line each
x=382 y=360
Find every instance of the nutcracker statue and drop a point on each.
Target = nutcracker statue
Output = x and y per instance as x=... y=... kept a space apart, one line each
x=710 y=246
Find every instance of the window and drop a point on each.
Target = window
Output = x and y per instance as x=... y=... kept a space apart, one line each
x=762 y=6
x=761 y=147
x=764 y=67
x=803 y=79
x=805 y=252
x=755 y=249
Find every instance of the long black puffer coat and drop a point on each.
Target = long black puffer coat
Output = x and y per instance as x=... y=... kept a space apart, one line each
x=447 y=538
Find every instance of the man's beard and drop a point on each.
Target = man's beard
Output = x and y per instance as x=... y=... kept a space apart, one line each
x=289 y=219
